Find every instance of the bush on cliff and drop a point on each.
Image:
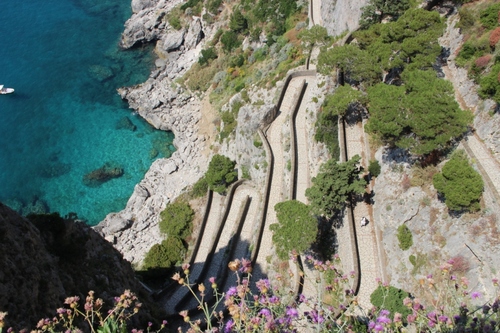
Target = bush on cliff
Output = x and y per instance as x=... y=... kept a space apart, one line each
x=220 y=173
x=165 y=255
x=405 y=237
x=176 y=219
x=459 y=183
x=390 y=298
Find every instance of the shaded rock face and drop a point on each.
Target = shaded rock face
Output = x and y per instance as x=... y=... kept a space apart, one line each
x=49 y=259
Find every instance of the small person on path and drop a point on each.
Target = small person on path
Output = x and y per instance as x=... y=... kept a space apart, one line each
x=364 y=221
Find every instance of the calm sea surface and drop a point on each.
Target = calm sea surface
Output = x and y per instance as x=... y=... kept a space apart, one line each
x=65 y=118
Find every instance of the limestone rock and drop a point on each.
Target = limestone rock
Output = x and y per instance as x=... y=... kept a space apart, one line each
x=341 y=16
x=173 y=40
x=194 y=34
x=138 y=5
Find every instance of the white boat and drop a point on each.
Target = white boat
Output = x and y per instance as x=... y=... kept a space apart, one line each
x=4 y=91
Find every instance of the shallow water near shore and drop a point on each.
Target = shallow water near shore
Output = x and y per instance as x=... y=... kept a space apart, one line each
x=65 y=118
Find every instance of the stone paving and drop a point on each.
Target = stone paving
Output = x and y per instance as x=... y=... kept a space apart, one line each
x=274 y=136
x=213 y=224
x=366 y=238
x=303 y=179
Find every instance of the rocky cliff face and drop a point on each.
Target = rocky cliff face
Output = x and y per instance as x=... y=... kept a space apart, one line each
x=339 y=16
x=47 y=260
x=166 y=106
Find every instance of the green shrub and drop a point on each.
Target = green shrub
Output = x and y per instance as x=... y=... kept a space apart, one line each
x=467 y=18
x=229 y=124
x=213 y=6
x=327 y=131
x=405 y=237
x=176 y=219
x=461 y=185
x=221 y=173
x=245 y=172
x=257 y=143
x=489 y=16
x=166 y=254
x=190 y=4
x=207 y=55
x=230 y=41
x=374 y=168
x=200 y=188
x=390 y=298
x=238 y=22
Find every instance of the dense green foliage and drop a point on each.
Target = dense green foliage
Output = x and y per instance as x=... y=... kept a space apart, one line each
x=374 y=168
x=296 y=230
x=176 y=219
x=390 y=298
x=357 y=64
x=335 y=185
x=489 y=16
x=220 y=173
x=345 y=97
x=165 y=255
x=421 y=115
x=200 y=188
x=405 y=237
x=238 y=22
x=315 y=36
x=207 y=55
x=378 y=10
x=327 y=131
x=459 y=183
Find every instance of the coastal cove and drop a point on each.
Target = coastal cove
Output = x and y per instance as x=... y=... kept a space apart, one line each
x=66 y=119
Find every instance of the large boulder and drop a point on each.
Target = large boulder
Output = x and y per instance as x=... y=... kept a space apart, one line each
x=173 y=40
x=194 y=34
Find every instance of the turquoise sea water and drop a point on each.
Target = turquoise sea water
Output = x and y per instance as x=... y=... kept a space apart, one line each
x=63 y=121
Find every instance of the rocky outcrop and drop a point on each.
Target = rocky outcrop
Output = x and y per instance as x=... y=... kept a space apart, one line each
x=48 y=259
x=148 y=23
x=341 y=16
x=166 y=106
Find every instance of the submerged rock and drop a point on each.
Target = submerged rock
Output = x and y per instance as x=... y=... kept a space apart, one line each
x=101 y=73
x=103 y=174
x=126 y=123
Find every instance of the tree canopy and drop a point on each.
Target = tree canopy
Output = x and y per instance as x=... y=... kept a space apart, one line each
x=378 y=10
x=461 y=185
x=220 y=173
x=343 y=98
x=335 y=185
x=421 y=115
x=296 y=230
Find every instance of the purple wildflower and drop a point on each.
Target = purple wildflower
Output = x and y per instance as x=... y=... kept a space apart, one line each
x=231 y=292
x=265 y=312
x=229 y=326
x=475 y=295
x=292 y=312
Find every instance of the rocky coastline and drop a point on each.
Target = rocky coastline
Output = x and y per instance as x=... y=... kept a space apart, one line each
x=166 y=106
